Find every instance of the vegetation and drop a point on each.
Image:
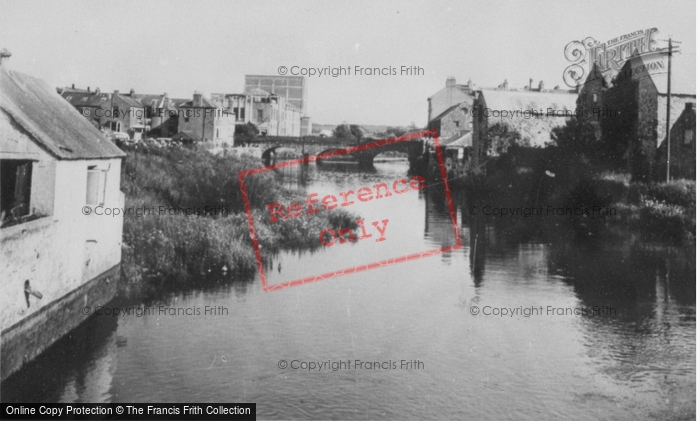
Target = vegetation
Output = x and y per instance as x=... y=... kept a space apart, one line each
x=348 y=131
x=580 y=171
x=176 y=246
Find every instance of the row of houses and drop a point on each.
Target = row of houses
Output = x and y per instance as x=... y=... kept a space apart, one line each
x=629 y=110
x=216 y=119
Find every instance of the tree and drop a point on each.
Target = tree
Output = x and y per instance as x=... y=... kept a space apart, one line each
x=356 y=131
x=577 y=137
x=503 y=137
x=342 y=131
x=395 y=131
x=250 y=129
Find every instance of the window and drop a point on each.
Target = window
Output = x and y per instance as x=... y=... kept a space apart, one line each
x=595 y=98
x=688 y=137
x=96 y=184
x=260 y=115
x=15 y=188
x=115 y=112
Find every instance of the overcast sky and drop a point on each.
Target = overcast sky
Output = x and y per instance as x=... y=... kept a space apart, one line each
x=182 y=46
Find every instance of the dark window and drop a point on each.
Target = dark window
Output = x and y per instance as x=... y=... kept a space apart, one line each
x=115 y=112
x=260 y=115
x=15 y=190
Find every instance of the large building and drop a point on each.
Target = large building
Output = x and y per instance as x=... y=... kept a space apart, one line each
x=452 y=94
x=455 y=120
x=530 y=114
x=293 y=88
x=628 y=111
x=202 y=120
x=272 y=114
x=59 y=173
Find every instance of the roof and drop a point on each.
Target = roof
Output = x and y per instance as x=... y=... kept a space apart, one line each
x=258 y=91
x=52 y=122
x=126 y=100
x=458 y=141
x=86 y=99
x=155 y=101
x=205 y=104
x=529 y=100
x=95 y=99
x=536 y=131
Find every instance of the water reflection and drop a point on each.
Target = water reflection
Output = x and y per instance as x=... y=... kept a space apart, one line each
x=638 y=362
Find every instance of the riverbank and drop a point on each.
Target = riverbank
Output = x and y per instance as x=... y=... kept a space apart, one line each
x=171 y=244
x=529 y=177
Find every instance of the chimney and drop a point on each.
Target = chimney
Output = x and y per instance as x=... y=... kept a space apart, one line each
x=97 y=91
x=116 y=93
x=530 y=85
x=451 y=82
x=541 y=86
x=88 y=89
x=132 y=92
x=4 y=57
x=73 y=86
x=197 y=99
x=505 y=85
x=166 y=101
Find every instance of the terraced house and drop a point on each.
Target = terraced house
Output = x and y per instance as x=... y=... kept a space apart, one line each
x=109 y=111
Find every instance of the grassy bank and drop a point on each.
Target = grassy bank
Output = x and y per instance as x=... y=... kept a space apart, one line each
x=527 y=177
x=179 y=246
x=660 y=210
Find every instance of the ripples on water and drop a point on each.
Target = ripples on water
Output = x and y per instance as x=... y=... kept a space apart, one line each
x=638 y=363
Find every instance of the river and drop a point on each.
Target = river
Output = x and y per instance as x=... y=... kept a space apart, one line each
x=633 y=359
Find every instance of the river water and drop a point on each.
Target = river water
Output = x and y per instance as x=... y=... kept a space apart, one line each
x=632 y=359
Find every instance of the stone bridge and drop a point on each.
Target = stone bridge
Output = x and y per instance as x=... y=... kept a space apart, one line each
x=275 y=147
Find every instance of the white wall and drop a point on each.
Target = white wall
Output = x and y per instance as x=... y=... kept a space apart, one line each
x=60 y=252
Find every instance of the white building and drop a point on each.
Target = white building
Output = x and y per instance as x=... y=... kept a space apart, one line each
x=58 y=255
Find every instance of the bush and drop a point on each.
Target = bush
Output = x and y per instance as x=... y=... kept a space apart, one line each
x=177 y=246
x=677 y=192
x=669 y=221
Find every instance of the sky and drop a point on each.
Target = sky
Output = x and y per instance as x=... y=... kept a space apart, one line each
x=180 y=47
